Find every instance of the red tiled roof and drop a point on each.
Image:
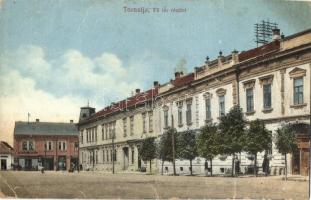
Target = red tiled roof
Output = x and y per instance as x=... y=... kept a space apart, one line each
x=184 y=80
x=272 y=46
x=136 y=100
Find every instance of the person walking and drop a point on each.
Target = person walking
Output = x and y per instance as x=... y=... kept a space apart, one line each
x=206 y=168
x=265 y=165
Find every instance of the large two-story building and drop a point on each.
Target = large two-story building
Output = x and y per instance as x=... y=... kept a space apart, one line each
x=270 y=82
x=52 y=145
x=111 y=137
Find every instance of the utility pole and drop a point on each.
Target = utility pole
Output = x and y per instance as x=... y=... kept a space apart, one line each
x=44 y=162
x=113 y=156
x=310 y=156
x=173 y=146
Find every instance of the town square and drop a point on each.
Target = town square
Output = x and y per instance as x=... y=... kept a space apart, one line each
x=141 y=186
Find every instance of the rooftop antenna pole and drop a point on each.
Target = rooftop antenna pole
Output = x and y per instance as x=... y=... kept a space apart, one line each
x=28 y=114
x=263 y=32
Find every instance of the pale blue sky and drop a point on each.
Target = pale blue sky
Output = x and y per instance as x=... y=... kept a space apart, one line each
x=57 y=54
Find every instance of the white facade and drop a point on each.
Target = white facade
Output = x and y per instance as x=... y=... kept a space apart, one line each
x=260 y=80
x=279 y=74
x=6 y=161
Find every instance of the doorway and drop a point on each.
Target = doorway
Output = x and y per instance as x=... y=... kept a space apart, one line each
x=126 y=158
x=300 y=158
x=3 y=164
x=28 y=164
x=49 y=163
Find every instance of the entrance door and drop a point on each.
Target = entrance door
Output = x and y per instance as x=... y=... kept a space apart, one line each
x=62 y=163
x=49 y=163
x=296 y=162
x=126 y=158
x=28 y=165
x=304 y=162
x=3 y=164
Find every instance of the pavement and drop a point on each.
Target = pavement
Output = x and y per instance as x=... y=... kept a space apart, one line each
x=20 y=184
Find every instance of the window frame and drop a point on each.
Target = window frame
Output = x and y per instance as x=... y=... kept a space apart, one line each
x=249 y=92
x=298 y=95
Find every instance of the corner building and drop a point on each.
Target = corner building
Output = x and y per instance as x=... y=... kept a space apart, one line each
x=270 y=82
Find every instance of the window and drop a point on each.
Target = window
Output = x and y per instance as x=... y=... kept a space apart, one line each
x=180 y=116
x=31 y=146
x=107 y=156
x=144 y=122
x=133 y=156
x=48 y=145
x=208 y=108
x=62 y=146
x=165 y=118
x=24 y=146
x=150 y=121
x=103 y=156
x=132 y=125
x=124 y=127
x=249 y=100
x=298 y=91
x=81 y=137
x=188 y=112
x=96 y=157
x=222 y=105
x=267 y=96
x=106 y=132
x=114 y=130
x=115 y=155
x=103 y=132
x=179 y=112
x=95 y=130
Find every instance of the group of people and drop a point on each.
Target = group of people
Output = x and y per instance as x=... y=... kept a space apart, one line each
x=265 y=166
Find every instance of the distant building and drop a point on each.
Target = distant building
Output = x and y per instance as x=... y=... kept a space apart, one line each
x=113 y=135
x=48 y=144
x=6 y=156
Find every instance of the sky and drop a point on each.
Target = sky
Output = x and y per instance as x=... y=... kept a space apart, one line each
x=58 y=55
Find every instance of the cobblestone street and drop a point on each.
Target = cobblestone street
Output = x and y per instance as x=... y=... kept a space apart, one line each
x=100 y=185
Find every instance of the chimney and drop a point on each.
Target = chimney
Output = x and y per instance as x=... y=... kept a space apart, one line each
x=156 y=83
x=276 y=34
x=235 y=56
x=220 y=59
x=71 y=121
x=37 y=120
x=137 y=91
x=177 y=75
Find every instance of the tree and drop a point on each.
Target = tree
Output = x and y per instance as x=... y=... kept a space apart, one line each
x=167 y=144
x=258 y=139
x=208 y=143
x=147 y=150
x=286 y=142
x=232 y=130
x=186 y=145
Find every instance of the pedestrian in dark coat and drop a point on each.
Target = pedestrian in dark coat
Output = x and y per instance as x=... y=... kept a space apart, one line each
x=265 y=165
x=206 y=167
